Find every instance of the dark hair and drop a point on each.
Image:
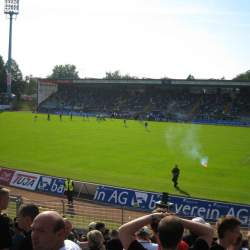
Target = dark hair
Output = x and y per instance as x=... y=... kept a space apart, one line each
x=227 y=223
x=114 y=233
x=99 y=225
x=29 y=210
x=4 y=191
x=154 y=224
x=59 y=224
x=170 y=231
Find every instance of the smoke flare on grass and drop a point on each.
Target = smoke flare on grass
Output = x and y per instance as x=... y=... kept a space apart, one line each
x=204 y=161
x=185 y=141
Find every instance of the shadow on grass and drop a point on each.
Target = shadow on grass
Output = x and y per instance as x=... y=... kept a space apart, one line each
x=182 y=191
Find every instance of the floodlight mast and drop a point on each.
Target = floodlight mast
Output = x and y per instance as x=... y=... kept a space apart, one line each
x=11 y=8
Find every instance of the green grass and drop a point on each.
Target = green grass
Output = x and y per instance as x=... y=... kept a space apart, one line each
x=108 y=153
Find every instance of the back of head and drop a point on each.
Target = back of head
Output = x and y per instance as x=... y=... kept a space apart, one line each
x=170 y=231
x=227 y=223
x=4 y=191
x=155 y=223
x=48 y=230
x=4 y=198
x=144 y=233
x=29 y=210
x=92 y=225
x=100 y=226
x=114 y=234
x=51 y=218
x=95 y=240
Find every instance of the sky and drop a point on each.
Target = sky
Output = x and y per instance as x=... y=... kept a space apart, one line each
x=143 y=38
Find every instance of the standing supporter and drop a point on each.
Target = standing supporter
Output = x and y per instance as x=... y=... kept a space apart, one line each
x=143 y=236
x=69 y=190
x=228 y=229
x=100 y=226
x=68 y=227
x=165 y=207
x=84 y=244
x=244 y=245
x=5 y=221
x=48 y=233
x=26 y=215
x=69 y=233
x=106 y=236
x=114 y=243
x=18 y=236
x=175 y=175
x=95 y=240
x=169 y=232
x=92 y=225
x=191 y=237
x=237 y=245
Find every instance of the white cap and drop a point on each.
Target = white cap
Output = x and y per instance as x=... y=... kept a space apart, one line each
x=92 y=225
x=200 y=220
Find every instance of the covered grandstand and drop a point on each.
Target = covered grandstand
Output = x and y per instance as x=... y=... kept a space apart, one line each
x=208 y=101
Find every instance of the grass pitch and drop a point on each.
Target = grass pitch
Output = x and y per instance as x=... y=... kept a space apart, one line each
x=107 y=152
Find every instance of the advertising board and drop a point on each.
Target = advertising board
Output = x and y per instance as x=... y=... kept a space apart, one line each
x=24 y=180
x=6 y=176
x=183 y=206
x=51 y=185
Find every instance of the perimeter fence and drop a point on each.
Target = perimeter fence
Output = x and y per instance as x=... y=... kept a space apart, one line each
x=81 y=213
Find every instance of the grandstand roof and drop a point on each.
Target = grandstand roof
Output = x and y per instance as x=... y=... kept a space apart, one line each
x=169 y=82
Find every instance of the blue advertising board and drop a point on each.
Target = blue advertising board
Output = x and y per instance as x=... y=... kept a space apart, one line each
x=126 y=197
x=51 y=185
x=188 y=207
x=210 y=210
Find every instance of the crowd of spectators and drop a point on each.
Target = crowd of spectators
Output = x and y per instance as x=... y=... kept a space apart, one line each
x=160 y=230
x=151 y=102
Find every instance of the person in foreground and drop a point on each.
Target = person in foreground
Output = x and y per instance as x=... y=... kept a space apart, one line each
x=169 y=233
x=228 y=229
x=48 y=233
x=26 y=215
x=5 y=221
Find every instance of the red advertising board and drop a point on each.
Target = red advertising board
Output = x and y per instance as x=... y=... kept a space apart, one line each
x=6 y=176
x=25 y=180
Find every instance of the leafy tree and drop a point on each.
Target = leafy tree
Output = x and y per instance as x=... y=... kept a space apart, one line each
x=30 y=87
x=117 y=75
x=3 y=86
x=190 y=77
x=222 y=78
x=243 y=76
x=17 y=83
x=67 y=71
x=113 y=75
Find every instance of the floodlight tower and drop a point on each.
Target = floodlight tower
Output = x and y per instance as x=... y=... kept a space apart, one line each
x=11 y=8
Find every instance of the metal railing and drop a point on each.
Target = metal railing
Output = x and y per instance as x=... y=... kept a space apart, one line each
x=81 y=213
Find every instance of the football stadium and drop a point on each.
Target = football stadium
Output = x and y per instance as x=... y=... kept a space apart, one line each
x=128 y=134
x=124 y=162
x=205 y=134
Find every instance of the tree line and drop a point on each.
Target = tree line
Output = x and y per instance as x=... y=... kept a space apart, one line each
x=27 y=85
